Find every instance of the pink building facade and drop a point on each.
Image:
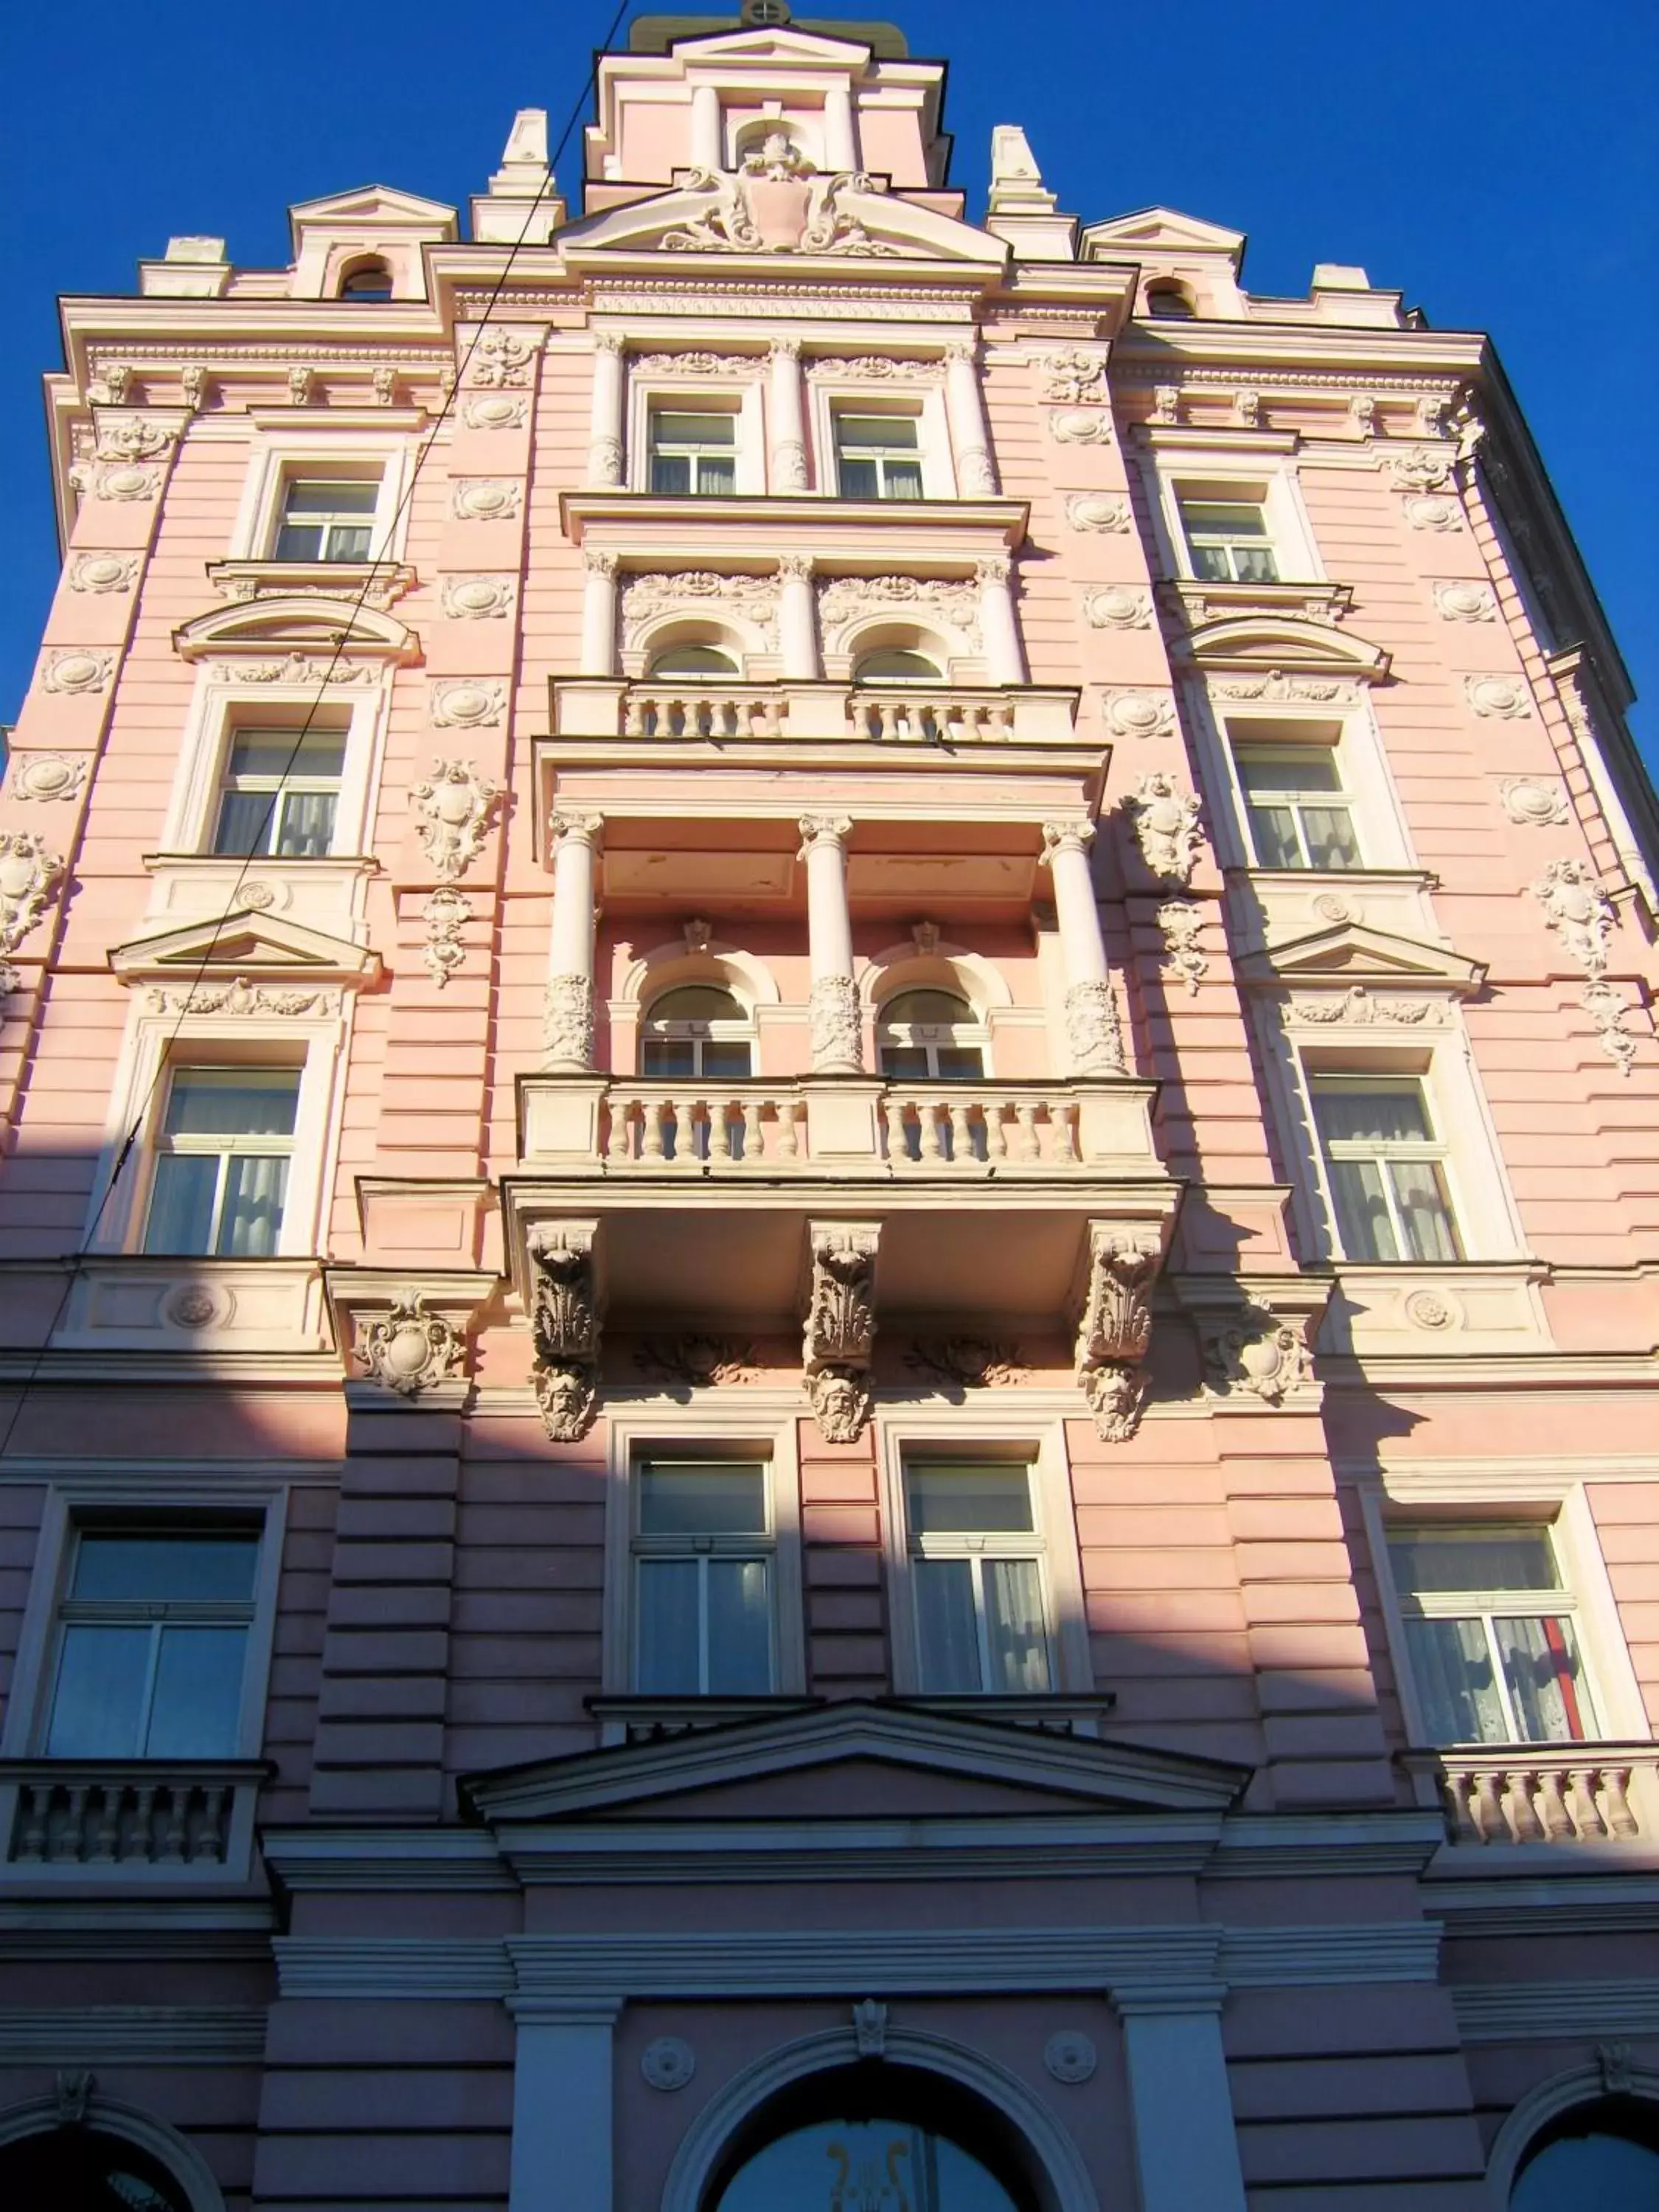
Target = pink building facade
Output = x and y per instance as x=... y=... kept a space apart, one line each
x=829 y=1218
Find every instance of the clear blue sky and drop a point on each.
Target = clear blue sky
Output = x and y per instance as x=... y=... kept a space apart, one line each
x=1498 y=164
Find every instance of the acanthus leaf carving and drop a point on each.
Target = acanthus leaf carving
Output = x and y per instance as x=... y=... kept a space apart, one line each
x=843 y=600
x=1261 y=1352
x=1277 y=685
x=777 y=203
x=644 y=597
x=838 y=1336
x=295 y=668
x=1165 y=819
x=500 y=358
x=1578 y=910
x=1094 y=1036
x=565 y=1325
x=1116 y=1325
x=1075 y=377
x=240 y=996
x=407 y=1348
x=967 y=1363
x=454 y=806
x=697 y=1361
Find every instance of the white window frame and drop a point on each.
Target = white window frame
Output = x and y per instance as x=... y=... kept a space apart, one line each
x=829 y=396
x=749 y=1544
x=650 y=391
x=696 y=1032
x=1351 y=735
x=1264 y=482
x=910 y=455
x=1041 y=1445
x=1434 y=1151
x=92 y=1500
x=1292 y=798
x=223 y=1149
x=293 y=783
x=221 y=708
x=316 y=1045
x=971 y=1036
x=682 y=1432
x=1502 y=1490
x=276 y=460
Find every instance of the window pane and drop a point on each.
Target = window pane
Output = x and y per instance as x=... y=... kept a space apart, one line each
x=1312 y=770
x=1255 y=564
x=675 y=1056
x=245 y=821
x=728 y=1062
x=1426 y=1560
x=859 y=479
x=1384 y=1116
x=717 y=478
x=1211 y=564
x=699 y=1498
x=955 y=1499
x=231 y=1102
x=696 y=1002
x=947 y=1642
x=665 y=1640
x=904 y=1063
x=886 y=433
x=961 y=1063
x=941 y=1008
x=300 y=541
x=332 y=495
x=307 y=825
x=670 y=474
x=1362 y=1211
x=1272 y=833
x=255 y=1188
x=157 y=1568
x=903 y=480
x=672 y=429
x=1224 y=519
x=1420 y=1193
x=739 y=1628
x=97 y=1709
x=196 y=1709
x=267 y=753
x=181 y=1203
x=1014 y=1625
x=347 y=542
x=1540 y=1665
x=1452 y=1669
x=1329 y=833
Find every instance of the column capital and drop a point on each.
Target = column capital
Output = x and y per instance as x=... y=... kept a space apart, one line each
x=797 y=565
x=1143 y=2000
x=599 y=564
x=610 y=342
x=962 y=351
x=997 y=569
x=578 y=829
x=1065 y=837
x=825 y=830
x=784 y=350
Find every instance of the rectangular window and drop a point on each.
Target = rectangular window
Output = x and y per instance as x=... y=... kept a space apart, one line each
x=152 y=1645
x=703 y=1598
x=327 y=518
x=1490 y=1636
x=221 y=1161
x=1228 y=541
x=279 y=793
x=976 y=1570
x=693 y=454
x=1298 y=813
x=877 y=457
x=1385 y=1166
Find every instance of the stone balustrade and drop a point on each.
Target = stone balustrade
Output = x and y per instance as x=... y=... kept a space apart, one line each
x=719 y=708
x=931 y=717
x=691 y=1123
x=658 y=710
x=90 y=1816
x=1541 y=1793
x=961 y=1124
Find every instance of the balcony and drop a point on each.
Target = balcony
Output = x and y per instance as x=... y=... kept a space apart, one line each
x=1539 y=1793
x=681 y=711
x=119 y=1819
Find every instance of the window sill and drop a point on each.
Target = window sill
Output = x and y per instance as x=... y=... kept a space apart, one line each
x=1437 y=1308
x=1538 y=1794
x=636 y=1717
x=126 y=1820
x=1195 y=600
x=1050 y=1712
x=205 y=1315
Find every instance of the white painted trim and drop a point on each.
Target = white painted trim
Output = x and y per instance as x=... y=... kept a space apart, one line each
x=563 y=2075
x=130 y=2035
x=1057 y=2166
x=1544 y=2102
x=1556 y=2012
x=922 y=404
x=658 y=387
x=274 y=456
x=110 y=2116
x=1270 y=477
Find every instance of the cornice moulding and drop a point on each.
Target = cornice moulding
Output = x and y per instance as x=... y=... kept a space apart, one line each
x=1186 y=437
x=636 y=523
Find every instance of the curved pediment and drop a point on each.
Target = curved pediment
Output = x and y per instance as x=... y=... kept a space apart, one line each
x=273 y=627
x=1284 y=645
x=797 y=211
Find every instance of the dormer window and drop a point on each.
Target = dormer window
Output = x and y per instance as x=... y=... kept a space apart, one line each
x=1169 y=301
x=877 y=456
x=367 y=280
x=327 y=518
x=693 y=454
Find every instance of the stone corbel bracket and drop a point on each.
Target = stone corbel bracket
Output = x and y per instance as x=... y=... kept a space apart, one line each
x=566 y=1316
x=407 y=1333
x=1115 y=1319
x=1257 y=1336
x=838 y=1334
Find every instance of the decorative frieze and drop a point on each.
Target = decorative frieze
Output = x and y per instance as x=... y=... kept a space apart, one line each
x=453 y=807
x=46 y=776
x=967 y=1363
x=646 y=598
x=31 y=878
x=1276 y=687
x=1356 y=1008
x=407 y=1348
x=1164 y=817
x=726 y=366
x=838 y=1337
x=103 y=572
x=697 y=1362
x=874 y=368
x=1182 y=927
x=565 y=1323
x=242 y=997
x=844 y=600
x=307 y=668
x=1139 y=713
x=1116 y=1326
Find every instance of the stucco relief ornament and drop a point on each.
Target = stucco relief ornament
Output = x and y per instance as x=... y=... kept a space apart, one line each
x=444 y=914
x=697 y=364
x=697 y=1362
x=1182 y=926
x=193 y=384
x=644 y=597
x=78 y=674
x=1164 y=818
x=470 y=705
x=500 y=358
x=1075 y=377
x=385 y=384
x=131 y=438
x=103 y=572
x=1166 y=406
x=407 y=1348
x=493 y=410
x=1362 y=413
x=1247 y=410
x=1070 y=2056
x=1118 y=606
x=127 y=480
x=1116 y=1326
x=239 y=997
x=478 y=599
x=486 y=499
x=296 y=668
x=1424 y=468
x=840 y=1330
x=667 y=2063
x=1355 y=1006
x=1498 y=698
x=1080 y=426
x=30 y=877
x=1277 y=685
x=564 y=1321
x=454 y=806
x=842 y=1404
x=1578 y=910
x=1260 y=1352
x=1139 y=713
x=1434 y=511
x=1096 y=510
x=46 y=776
x=1535 y=803
x=843 y=600
x=1463 y=601
x=967 y=1363
x=568 y=1022
x=1093 y=1035
x=776 y=203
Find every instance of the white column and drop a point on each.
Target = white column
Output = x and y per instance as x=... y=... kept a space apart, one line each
x=1003 y=654
x=788 y=438
x=970 y=439
x=837 y=1042
x=1186 y=2145
x=605 y=430
x=568 y=1022
x=798 y=634
x=841 y=145
x=707 y=150
x=561 y=2106
x=599 y=614
x=1091 y=1023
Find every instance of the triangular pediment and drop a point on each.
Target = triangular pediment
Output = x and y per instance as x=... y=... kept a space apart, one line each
x=245 y=942
x=852 y=1759
x=834 y=219
x=1350 y=952
x=770 y=43
x=1285 y=644
x=1162 y=229
x=376 y=203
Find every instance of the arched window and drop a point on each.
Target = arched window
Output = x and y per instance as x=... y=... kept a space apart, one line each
x=367 y=280
x=695 y=661
x=697 y=1029
x=1170 y=301
x=1605 y=2152
x=897 y=665
x=932 y=1034
x=89 y=2172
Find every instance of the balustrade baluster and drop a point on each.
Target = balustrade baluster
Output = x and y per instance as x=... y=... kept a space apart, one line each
x=996 y=1129
x=32 y=1823
x=1582 y=1781
x=1490 y=1818
x=174 y=1824
x=962 y=1135
x=1557 y=1821
x=892 y=1113
x=143 y=1819
x=1523 y=1815
x=754 y=1136
x=106 y=1829
x=73 y=1837
x=719 y=1129
x=931 y=1114
x=1026 y=1144
x=655 y=1112
x=619 y=1138
x=219 y=1805
x=1615 y=1785
x=1465 y=1827
x=787 y=1128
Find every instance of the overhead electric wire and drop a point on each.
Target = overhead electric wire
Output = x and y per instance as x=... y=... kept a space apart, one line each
x=164 y=1058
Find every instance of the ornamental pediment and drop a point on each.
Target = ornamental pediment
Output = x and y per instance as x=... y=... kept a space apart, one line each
x=1350 y=953
x=888 y=1760
x=242 y=944
x=274 y=624
x=1270 y=645
x=773 y=43
x=1162 y=229
x=374 y=204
